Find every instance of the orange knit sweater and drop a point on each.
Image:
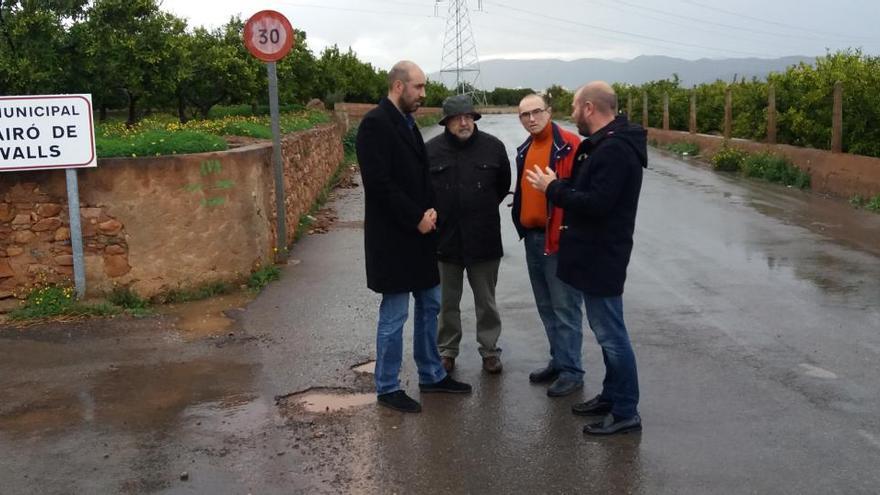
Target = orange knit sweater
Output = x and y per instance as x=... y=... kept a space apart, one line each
x=533 y=212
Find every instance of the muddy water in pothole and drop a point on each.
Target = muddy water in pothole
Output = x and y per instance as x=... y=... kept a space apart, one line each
x=205 y=318
x=322 y=401
x=141 y=397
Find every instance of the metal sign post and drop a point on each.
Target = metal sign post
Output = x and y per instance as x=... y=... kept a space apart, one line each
x=269 y=36
x=277 y=163
x=51 y=132
x=76 y=242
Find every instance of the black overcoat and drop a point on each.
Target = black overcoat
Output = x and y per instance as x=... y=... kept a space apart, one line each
x=397 y=191
x=470 y=180
x=600 y=202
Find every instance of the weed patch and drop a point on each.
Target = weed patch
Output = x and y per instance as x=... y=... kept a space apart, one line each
x=196 y=294
x=54 y=301
x=728 y=159
x=774 y=168
x=132 y=303
x=262 y=277
x=871 y=204
x=684 y=149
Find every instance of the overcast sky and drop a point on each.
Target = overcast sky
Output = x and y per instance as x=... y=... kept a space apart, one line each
x=383 y=31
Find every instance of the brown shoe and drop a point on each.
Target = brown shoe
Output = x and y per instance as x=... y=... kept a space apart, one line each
x=492 y=364
x=448 y=363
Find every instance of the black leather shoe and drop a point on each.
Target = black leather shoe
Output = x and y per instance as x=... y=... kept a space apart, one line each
x=447 y=385
x=593 y=407
x=399 y=401
x=543 y=375
x=561 y=387
x=612 y=426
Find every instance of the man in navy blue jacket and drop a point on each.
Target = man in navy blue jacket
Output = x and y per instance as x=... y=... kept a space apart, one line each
x=600 y=201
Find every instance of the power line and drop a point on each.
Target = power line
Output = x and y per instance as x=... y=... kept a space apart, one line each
x=577 y=37
x=676 y=22
x=779 y=24
x=713 y=23
x=360 y=11
x=625 y=33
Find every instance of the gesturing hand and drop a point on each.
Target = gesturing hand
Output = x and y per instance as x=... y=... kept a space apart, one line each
x=540 y=180
x=429 y=221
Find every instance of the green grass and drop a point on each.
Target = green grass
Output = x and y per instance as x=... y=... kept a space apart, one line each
x=766 y=166
x=56 y=301
x=684 y=149
x=162 y=134
x=262 y=277
x=194 y=294
x=728 y=159
x=774 y=168
x=871 y=204
x=349 y=140
x=131 y=302
x=158 y=142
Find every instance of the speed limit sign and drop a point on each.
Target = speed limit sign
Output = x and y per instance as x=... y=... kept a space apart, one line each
x=268 y=35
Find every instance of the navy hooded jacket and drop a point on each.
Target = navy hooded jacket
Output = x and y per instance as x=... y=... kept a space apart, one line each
x=600 y=202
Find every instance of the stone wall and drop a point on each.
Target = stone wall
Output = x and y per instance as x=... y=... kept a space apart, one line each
x=162 y=223
x=837 y=174
x=350 y=113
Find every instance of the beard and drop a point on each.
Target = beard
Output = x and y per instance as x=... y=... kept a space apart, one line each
x=410 y=106
x=464 y=134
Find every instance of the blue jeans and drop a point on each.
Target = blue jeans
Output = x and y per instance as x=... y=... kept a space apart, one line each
x=389 y=338
x=559 y=306
x=621 y=383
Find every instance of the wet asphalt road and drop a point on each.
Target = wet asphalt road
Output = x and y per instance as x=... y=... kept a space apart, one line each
x=753 y=310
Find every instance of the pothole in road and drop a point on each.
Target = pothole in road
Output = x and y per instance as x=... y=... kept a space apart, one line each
x=368 y=368
x=206 y=318
x=326 y=400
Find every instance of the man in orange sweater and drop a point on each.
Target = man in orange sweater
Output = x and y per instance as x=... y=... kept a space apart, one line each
x=538 y=223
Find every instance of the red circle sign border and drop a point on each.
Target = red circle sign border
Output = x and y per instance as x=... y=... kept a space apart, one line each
x=248 y=36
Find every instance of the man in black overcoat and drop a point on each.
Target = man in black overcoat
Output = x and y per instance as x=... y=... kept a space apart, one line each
x=400 y=248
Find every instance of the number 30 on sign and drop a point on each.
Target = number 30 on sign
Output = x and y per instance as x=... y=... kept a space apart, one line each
x=268 y=35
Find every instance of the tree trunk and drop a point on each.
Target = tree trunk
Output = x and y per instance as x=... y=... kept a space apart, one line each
x=132 y=109
x=181 y=109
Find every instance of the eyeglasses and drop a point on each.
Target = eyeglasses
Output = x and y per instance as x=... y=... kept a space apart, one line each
x=532 y=113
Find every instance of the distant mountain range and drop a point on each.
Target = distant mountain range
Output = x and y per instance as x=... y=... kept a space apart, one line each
x=542 y=73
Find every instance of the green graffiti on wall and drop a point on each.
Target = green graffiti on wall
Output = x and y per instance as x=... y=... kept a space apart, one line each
x=209 y=169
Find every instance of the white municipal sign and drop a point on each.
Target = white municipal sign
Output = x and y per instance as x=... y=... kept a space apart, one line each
x=46 y=132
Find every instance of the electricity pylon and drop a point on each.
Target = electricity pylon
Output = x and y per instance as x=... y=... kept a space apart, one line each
x=460 y=64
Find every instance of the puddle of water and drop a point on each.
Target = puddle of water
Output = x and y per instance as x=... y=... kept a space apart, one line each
x=369 y=368
x=57 y=411
x=232 y=414
x=326 y=402
x=198 y=319
x=151 y=397
x=142 y=397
